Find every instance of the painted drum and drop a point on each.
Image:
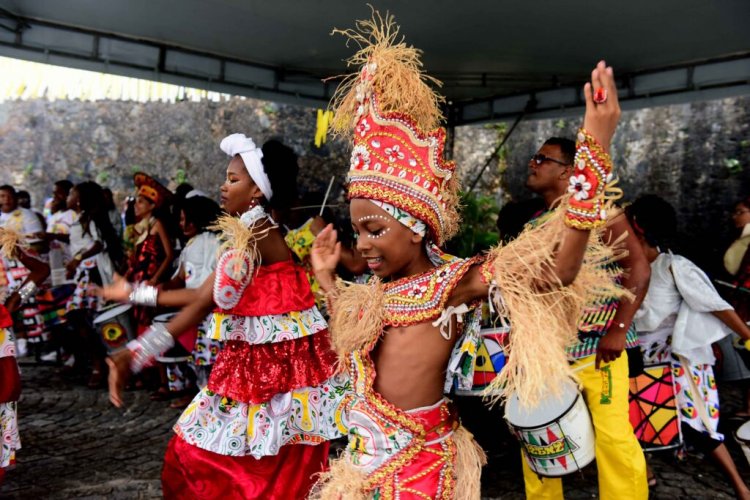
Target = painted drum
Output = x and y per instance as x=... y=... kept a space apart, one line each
x=653 y=408
x=556 y=436
x=489 y=361
x=115 y=326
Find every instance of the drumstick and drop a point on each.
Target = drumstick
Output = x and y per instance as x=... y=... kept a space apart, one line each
x=578 y=369
x=732 y=285
x=325 y=198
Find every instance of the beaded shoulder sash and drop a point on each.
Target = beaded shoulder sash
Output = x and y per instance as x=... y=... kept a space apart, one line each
x=416 y=299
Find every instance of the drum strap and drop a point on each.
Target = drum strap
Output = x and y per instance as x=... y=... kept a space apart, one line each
x=700 y=405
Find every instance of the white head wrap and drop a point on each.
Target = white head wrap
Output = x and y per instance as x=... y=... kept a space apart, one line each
x=238 y=144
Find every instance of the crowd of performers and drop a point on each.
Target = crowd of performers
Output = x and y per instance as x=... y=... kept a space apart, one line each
x=281 y=338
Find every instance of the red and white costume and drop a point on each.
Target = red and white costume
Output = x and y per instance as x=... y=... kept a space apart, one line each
x=260 y=427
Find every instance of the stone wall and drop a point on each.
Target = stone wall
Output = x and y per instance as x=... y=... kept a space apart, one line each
x=107 y=141
x=695 y=155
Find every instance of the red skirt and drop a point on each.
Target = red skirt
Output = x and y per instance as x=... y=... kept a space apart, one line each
x=254 y=373
x=191 y=472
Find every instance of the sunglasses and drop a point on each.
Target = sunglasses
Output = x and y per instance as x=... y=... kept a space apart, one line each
x=538 y=159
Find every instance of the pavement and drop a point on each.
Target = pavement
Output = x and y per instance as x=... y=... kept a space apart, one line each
x=76 y=445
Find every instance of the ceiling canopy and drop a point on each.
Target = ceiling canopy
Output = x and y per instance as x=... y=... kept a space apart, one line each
x=496 y=58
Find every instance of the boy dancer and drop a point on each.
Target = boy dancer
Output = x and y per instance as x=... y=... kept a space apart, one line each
x=398 y=334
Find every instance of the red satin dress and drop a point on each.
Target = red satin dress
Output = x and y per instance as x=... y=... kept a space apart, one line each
x=260 y=429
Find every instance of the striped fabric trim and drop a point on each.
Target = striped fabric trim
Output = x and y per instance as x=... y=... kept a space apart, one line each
x=588 y=346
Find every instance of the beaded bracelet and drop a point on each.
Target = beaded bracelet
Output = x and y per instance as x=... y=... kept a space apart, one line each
x=593 y=170
x=144 y=295
x=152 y=343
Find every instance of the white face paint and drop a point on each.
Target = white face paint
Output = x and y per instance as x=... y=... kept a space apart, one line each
x=384 y=218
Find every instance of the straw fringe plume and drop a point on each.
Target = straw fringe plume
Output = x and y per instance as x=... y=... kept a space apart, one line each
x=396 y=77
x=10 y=241
x=340 y=482
x=237 y=236
x=470 y=458
x=543 y=314
x=357 y=319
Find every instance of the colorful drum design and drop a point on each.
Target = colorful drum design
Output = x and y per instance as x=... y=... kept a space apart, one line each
x=489 y=361
x=653 y=408
x=52 y=304
x=115 y=326
x=742 y=436
x=557 y=437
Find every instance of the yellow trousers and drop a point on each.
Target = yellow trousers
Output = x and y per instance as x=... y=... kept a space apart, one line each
x=619 y=458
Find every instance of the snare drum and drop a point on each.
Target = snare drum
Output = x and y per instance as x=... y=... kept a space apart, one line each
x=115 y=326
x=556 y=436
x=653 y=408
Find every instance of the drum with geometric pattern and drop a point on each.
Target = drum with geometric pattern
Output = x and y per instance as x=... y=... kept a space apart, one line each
x=653 y=408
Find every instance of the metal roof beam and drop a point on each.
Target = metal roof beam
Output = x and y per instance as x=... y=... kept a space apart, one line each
x=712 y=79
x=94 y=51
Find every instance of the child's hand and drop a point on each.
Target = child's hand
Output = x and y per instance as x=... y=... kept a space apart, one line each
x=601 y=116
x=326 y=251
x=119 y=372
x=118 y=291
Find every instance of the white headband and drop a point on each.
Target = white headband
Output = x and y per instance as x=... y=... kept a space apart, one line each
x=238 y=144
x=405 y=218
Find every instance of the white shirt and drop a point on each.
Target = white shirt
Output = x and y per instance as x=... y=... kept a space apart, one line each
x=80 y=242
x=199 y=258
x=679 y=301
x=21 y=220
x=60 y=223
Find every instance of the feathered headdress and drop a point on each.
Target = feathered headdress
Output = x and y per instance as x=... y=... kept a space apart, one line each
x=393 y=115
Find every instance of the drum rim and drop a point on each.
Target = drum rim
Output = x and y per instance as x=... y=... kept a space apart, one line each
x=165 y=316
x=565 y=412
x=737 y=433
x=109 y=309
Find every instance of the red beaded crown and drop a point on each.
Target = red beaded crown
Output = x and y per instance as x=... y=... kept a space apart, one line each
x=392 y=115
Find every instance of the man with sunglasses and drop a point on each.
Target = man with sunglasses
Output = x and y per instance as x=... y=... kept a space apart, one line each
x=604 y=332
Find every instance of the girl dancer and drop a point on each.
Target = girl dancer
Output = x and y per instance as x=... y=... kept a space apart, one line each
x=153 y=252
x=272 y=382
x=10 y=382
x=196 y=263
x=96 y=251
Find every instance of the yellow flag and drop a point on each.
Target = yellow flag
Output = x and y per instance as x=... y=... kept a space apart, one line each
x=321 y=129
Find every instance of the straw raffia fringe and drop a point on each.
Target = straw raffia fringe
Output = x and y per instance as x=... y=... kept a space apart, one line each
x=470 y=458
x=343 y=482
x=237 y=236
x=10 y=241
x=398 y=80
x=340 y=482
x=400 y=86
x=357 y=319
x=543 y=314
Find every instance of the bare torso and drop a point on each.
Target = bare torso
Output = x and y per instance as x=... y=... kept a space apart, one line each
x=411 y=361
